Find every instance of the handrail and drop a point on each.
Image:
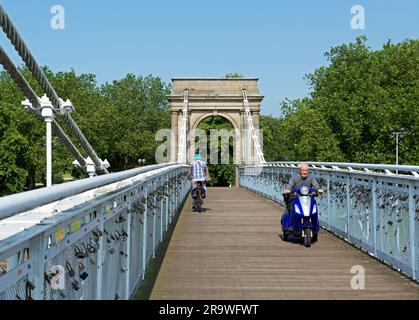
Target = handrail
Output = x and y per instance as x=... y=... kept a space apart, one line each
x=414 y=170
x=16 y=203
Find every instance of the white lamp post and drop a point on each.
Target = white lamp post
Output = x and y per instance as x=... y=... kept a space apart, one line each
x=397 y=134
x=46 y=110
x=47 y=114
x=90 y=167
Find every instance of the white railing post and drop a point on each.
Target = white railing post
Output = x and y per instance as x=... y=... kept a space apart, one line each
x=412 y=230
x=38 y=248
x=145 y=214
x=154 y=225
x=374 y=214
x=329 y=210
x=100 y=256
x=161 y=219
x=348 y=208
x=128 y=258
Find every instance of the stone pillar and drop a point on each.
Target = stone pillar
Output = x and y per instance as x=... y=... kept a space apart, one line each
x=174 y=136
x=179 y=122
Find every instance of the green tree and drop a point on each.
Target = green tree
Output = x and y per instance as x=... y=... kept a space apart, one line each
x=275 y=146
x=119 y=119
x=307 y=134
x=233 y=75
x=138 y=109
x=353 y=104
x=364 y=93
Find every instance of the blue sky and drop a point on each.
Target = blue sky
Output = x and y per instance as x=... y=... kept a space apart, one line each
x=276 y=41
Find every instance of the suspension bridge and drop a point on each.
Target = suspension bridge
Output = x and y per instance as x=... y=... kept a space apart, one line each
x=95 y=238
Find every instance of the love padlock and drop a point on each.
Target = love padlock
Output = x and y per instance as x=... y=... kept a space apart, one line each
x=70 y=269
x=61 y=293
x=82 y=274
x=124 y=234
x=86 y=252
x=117 y=235
x=78 y=253
x=93 y=242
x=91 y=248
x=97 y=233
x=76 y=286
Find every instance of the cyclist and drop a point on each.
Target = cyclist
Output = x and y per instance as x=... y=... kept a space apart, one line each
x=197 y=172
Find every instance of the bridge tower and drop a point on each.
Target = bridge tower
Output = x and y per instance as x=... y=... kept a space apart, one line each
x=236 y=99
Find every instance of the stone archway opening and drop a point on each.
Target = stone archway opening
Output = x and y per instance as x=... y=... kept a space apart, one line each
x=217 y=148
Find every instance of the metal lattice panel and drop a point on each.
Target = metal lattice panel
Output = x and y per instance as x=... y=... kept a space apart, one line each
x=112 y=219
x=374 y=209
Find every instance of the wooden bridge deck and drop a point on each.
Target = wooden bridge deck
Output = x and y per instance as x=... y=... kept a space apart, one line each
x=233 y=251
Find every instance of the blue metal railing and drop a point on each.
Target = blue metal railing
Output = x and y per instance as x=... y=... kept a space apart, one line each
x=105 y=229
x=369 y=206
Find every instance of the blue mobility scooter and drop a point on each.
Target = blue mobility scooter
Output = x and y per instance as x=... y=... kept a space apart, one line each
x=301 y=217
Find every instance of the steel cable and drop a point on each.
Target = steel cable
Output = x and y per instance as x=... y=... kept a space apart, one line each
x=27 y=90
x=20 y=46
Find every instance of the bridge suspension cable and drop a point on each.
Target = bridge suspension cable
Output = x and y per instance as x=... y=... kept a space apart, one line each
x=31 y=95
x=40 y=77
x=260 y=158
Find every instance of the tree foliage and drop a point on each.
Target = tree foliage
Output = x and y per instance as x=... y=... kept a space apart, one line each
x=355 y=102
x=119 y=119
x=221 y=174
x=230 y=75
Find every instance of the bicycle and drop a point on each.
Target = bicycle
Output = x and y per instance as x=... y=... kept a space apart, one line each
x=198 y=196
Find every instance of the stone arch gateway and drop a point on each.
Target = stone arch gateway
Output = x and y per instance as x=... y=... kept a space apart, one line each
x=236 y=99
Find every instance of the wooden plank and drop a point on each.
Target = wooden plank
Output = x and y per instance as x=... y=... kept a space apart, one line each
x=233 y=251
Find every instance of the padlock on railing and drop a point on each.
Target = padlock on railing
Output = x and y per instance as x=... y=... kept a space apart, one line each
x=124 y=234
x=97 y=233
x=91 y=249
x=29 y=287
x=82 y=273
x=47 y=278
x=107 y=236
x=61 y=293
x=120 y=219
x=94 y=243
x=117 y=235
x=84 y=249
x=70 y=270
x=79 y=253
x=75 y=285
